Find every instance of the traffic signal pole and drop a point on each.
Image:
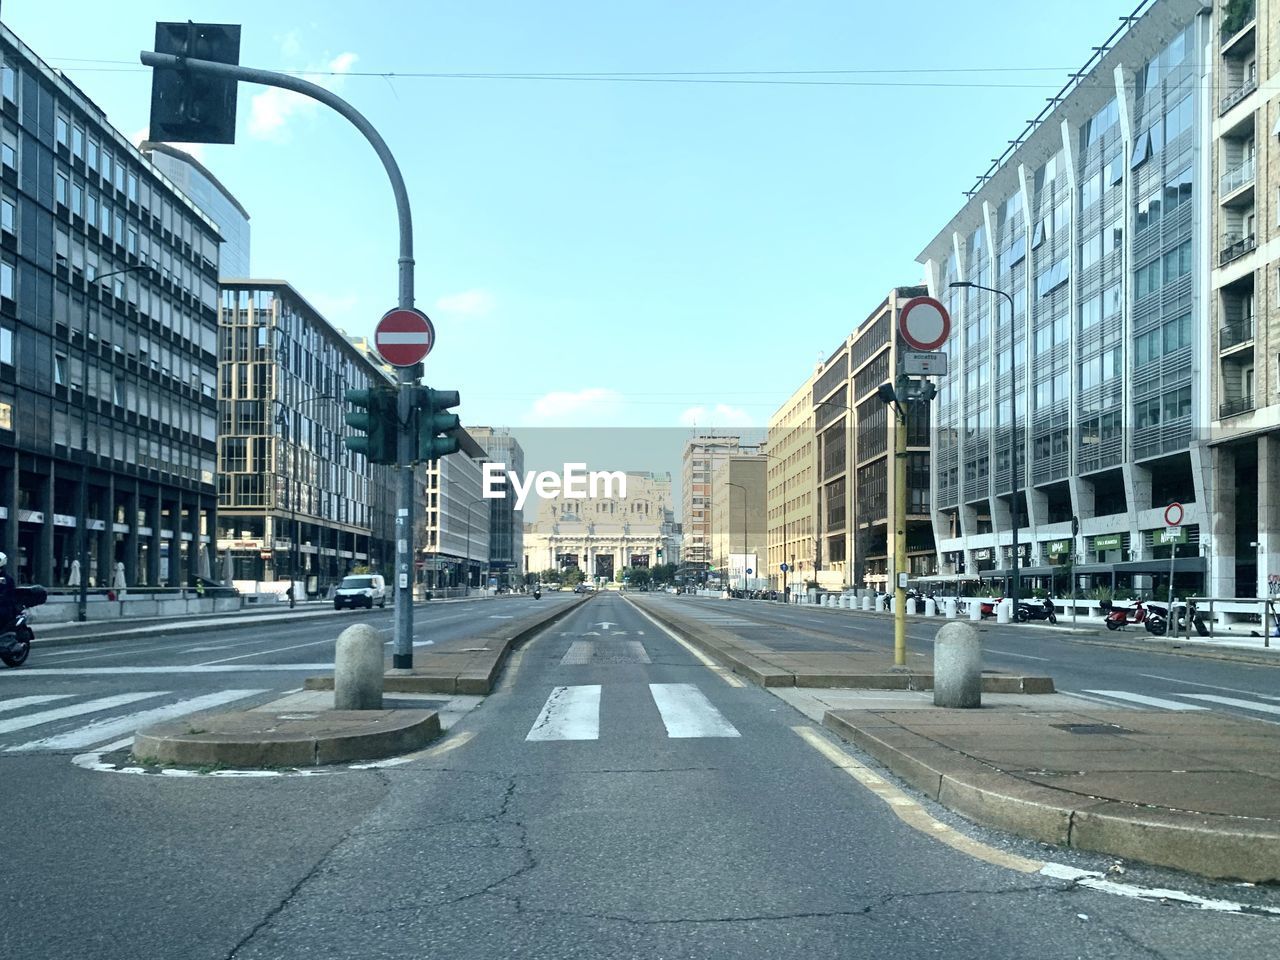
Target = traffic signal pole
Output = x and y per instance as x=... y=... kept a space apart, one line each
x=404 y=525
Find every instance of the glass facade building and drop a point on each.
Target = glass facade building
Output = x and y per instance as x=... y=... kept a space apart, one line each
x=108 y=345
x=195 y=180
x=506 y=523
x=1095 y=223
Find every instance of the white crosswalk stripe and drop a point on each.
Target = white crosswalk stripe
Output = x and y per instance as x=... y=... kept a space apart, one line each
x=100 y=731
x=1233 y=702
x=1148 y=701
x=17 y=703
x=686 y=712
x=74 y=710
x=570 y=713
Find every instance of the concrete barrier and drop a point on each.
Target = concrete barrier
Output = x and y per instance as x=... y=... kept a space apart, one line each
x=930 y=607
x=357 y=669
x=975 y=609
x=1002 y=611
x=950 y=608
x=866 y=603
x=957 y=667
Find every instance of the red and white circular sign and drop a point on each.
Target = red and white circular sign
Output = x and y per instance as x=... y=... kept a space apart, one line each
x=404 y=337
x=924 y=324
x=1173 y=515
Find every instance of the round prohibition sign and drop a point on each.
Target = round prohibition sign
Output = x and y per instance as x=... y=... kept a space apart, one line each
x=924 y=324
x=404 y=337
x=1173 y=515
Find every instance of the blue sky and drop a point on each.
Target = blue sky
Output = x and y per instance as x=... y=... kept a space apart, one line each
x=639 y=253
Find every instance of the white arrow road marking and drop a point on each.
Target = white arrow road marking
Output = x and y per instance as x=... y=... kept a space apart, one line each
x=570 y=713
x=75 y=710
x=686 y=712
x=106 y=729
x=606 y=624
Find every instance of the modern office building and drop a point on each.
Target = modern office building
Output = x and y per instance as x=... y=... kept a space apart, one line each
x=108 y=345
x=702 y=454
x=217 y=202
x=293 y=501
x=455 y=539
x=1243 y=372
x=506 y=523
x=790 y=450
x=607 y=533
x=739 y=521
x=1096 y=222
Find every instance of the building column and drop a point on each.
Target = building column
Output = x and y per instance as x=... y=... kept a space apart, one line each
x=154 y=518
x=1222 y=523
x=1268 y=511
x=175 y=543
x=9 y=499
x=1082 y=507
x=131 y=538
x=107 y=536
x=42 y=562
x=1137 y=496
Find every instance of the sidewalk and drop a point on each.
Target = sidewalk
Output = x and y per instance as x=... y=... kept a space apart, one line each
x=68 y=634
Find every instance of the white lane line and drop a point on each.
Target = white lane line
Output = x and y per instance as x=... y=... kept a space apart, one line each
x=686 y=712
x=570 y=713
x=75 y=710
x=1098 y=700
x=101 y=730
x=19 y=702
x=1020 y=656
x=1206 y=686
x=137 y=671
x=1096 y=881
x=264 y=653
x=1233 y=702
x=725 y=675
x=1148 y=701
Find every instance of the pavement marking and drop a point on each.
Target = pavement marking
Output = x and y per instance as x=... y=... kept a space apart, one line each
x=687 y=713
x=19 y=702
x=1233 y=702
x=1148 y=701
x=101 y=730
x=726 y=675
x=1109 y=704
x=453 y=743
x=1207 y=686
x=912 y=813
x=263 y=653
x=75 y=710
x=570 y=713
x=192 y=668
x=1021 y=656
x=1096 y=881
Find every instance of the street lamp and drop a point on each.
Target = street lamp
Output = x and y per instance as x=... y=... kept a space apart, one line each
x=82 y=601
x=468 y=567
x=1013 y=435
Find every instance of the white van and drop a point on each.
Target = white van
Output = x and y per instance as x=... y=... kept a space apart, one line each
x=361 y=590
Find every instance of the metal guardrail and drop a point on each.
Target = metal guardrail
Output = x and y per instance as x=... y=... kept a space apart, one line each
x=1266 y=606
x=1230 y=408
x=1238 y=94
x=1236 y=249
x=1236 y=178
x=1234 y=334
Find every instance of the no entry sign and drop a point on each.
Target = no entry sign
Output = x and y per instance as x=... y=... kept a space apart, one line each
x=404 y=337
x=924 y=324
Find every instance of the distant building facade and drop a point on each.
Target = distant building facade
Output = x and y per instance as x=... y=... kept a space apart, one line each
x=455 y=525
x=702 y=455
x=739 y=521
x=506 y=523
x=217 y=202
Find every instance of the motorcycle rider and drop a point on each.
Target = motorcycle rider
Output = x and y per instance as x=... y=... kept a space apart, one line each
x=8 y=596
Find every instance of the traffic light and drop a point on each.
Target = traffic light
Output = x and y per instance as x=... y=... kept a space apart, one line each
x=378 y=423
x=434 y=423
x=659 y=554
x=190 y=107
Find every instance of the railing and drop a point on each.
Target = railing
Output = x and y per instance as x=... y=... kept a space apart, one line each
x=1239 y=93
x=1236 y=249
x=1236 y=15
x=1236 y=178
x=1233 y=334
x=1232 y=407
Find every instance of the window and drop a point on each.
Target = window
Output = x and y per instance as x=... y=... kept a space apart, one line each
x=1091 y=251
x=1146 y=279
x=77 y=199
x=77 y=142
x=9 y=150
x=60 y=370
x=1051 y=278
x=1147 y=212
x=6 y=345
x=1112 y=300
x=91 y=158
x=60 y=189
x=1177 y=191
x=9 y=82
x=1177 y=333
x=1041 y=231
x=133 y=187
x=61 y=132
x=8 y=216
x=1090 y=191
x=1177 y=262
x=1115 y=171
x=6 y=280
x=1177 y=404
x=1090 y=312
x=1113 y=237
x=1141 y=151
x=106 y=165
x=1178 y=119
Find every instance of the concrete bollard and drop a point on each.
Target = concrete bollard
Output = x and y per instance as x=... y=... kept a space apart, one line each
x=1002 y=611
x=866 y=603
x=957 y=667
x=930 y=607
x=975 y=609
x=950 y=608
x=357 y=669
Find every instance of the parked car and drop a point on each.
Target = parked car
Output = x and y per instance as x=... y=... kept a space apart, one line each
x=361 y=590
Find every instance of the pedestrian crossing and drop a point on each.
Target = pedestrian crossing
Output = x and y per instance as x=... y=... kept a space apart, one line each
x=573 y=713
x=78 y=721
x=1176 y=700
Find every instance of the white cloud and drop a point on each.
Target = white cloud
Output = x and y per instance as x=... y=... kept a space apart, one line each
x=270 y=110
x=291 y=45
x=467 y=305
x=721 y=415
x=591 y=405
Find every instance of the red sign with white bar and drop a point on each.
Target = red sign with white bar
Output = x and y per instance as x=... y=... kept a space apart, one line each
x=404 y=337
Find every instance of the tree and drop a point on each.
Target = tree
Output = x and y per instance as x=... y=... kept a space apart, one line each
x=572 y=577
x=639 y=578
x=550 y=575
x=664 y=573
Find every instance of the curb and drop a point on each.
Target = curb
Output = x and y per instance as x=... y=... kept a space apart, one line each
x=1172 y=648
x=1206 y=844
x=469 y=679
x=249 y=738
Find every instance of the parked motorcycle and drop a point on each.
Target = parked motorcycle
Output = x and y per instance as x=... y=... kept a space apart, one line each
x=1035 y=611
x=1157 y=622
x=15 y=644
x=1118 y=618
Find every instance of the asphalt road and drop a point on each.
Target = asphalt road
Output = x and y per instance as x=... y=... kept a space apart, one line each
x=1117 y=677
x=614 y=798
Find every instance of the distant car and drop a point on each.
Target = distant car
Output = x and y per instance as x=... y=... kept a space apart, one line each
x=361 y=590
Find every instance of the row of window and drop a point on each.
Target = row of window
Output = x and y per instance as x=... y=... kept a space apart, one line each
x=1174 y=405
x=1169 y=337
x=1174 y=264
x=1161 y=202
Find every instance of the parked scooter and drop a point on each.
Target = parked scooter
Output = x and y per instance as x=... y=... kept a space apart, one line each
x=1036 y=611
x=15 y=644
x=1118 y=618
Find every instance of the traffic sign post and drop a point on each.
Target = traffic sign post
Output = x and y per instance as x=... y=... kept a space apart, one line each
x=1173 y=515
x=404 y=337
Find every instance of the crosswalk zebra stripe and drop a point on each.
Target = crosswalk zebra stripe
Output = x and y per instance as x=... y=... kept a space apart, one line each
x=686 y=712
x=19 y=702
x=570 y=713
x=75 y=710
x=1233 y=702
x=1148 y=701
x=101 y=730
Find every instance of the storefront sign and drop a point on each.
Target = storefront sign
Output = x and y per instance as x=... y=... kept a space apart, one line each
x=63 y=520
x=1059 y=547
x=1111 y=541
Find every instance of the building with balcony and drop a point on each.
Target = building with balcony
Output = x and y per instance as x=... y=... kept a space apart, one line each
x=1242 y=373
x=506 y=523
x=293 y=501
x=792 y=495
x=1097 y=221
x=702 y=455
x=739 y=521
x=108 y=346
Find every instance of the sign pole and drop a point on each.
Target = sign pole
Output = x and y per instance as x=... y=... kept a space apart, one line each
x=1173 y=518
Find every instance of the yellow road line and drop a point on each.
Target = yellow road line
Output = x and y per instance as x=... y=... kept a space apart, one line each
x=911 y=812
x=452 y=743
x=726 y=675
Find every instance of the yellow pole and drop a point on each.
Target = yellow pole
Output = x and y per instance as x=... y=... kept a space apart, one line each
x=900 y=536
